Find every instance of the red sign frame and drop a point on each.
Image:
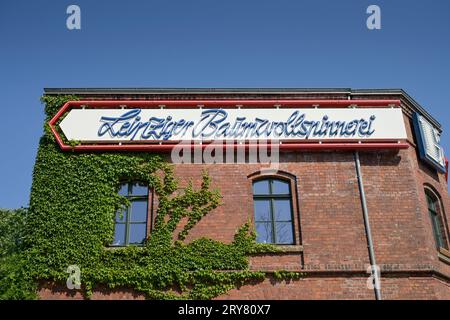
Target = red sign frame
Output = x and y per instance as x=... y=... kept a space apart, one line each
x=165 y=146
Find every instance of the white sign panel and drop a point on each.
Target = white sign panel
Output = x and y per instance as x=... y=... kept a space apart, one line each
x=124 y=125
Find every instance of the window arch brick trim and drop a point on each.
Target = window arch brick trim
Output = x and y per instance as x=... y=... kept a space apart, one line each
x=429 y=187
x=431 y=192
x=283 y=175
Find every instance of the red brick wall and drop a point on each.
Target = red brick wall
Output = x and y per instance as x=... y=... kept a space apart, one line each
x=332 y=229
x=349 y=287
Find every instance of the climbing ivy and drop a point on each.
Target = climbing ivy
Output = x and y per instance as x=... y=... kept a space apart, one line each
x=70 y=221
x=14 y=282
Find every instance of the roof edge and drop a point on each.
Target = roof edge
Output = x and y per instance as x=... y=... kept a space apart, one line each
x=349 y=91
x=192 y=90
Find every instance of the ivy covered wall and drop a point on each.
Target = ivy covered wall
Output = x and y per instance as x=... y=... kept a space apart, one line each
x=73 y=202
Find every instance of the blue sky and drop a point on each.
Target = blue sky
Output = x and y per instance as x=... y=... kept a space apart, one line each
x=315 y=43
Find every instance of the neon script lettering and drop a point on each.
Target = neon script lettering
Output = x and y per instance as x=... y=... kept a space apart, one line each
x=214 y=124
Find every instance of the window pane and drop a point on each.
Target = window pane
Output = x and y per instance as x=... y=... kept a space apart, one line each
x=437 y=230
x=280 y=187
x=430 y=203
x=139 y=189
x=261 y=187
x=137 y=233
x=119 y=235
x=262 y=210
x=264 y=232
x=284 y=233
x=123 y=191
x=120 y=213
x=282 y=210
x=437 y=207
x=138 y=211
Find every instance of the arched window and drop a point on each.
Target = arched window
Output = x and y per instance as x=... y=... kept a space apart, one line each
x=131 y=223
x=272 y=200
x=436 y=215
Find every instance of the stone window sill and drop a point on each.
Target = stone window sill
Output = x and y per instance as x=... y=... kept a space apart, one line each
x=289 y=248
x=281 y=248
x=111 y=247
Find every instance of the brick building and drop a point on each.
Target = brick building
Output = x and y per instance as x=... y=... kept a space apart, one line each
x=329 y=222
